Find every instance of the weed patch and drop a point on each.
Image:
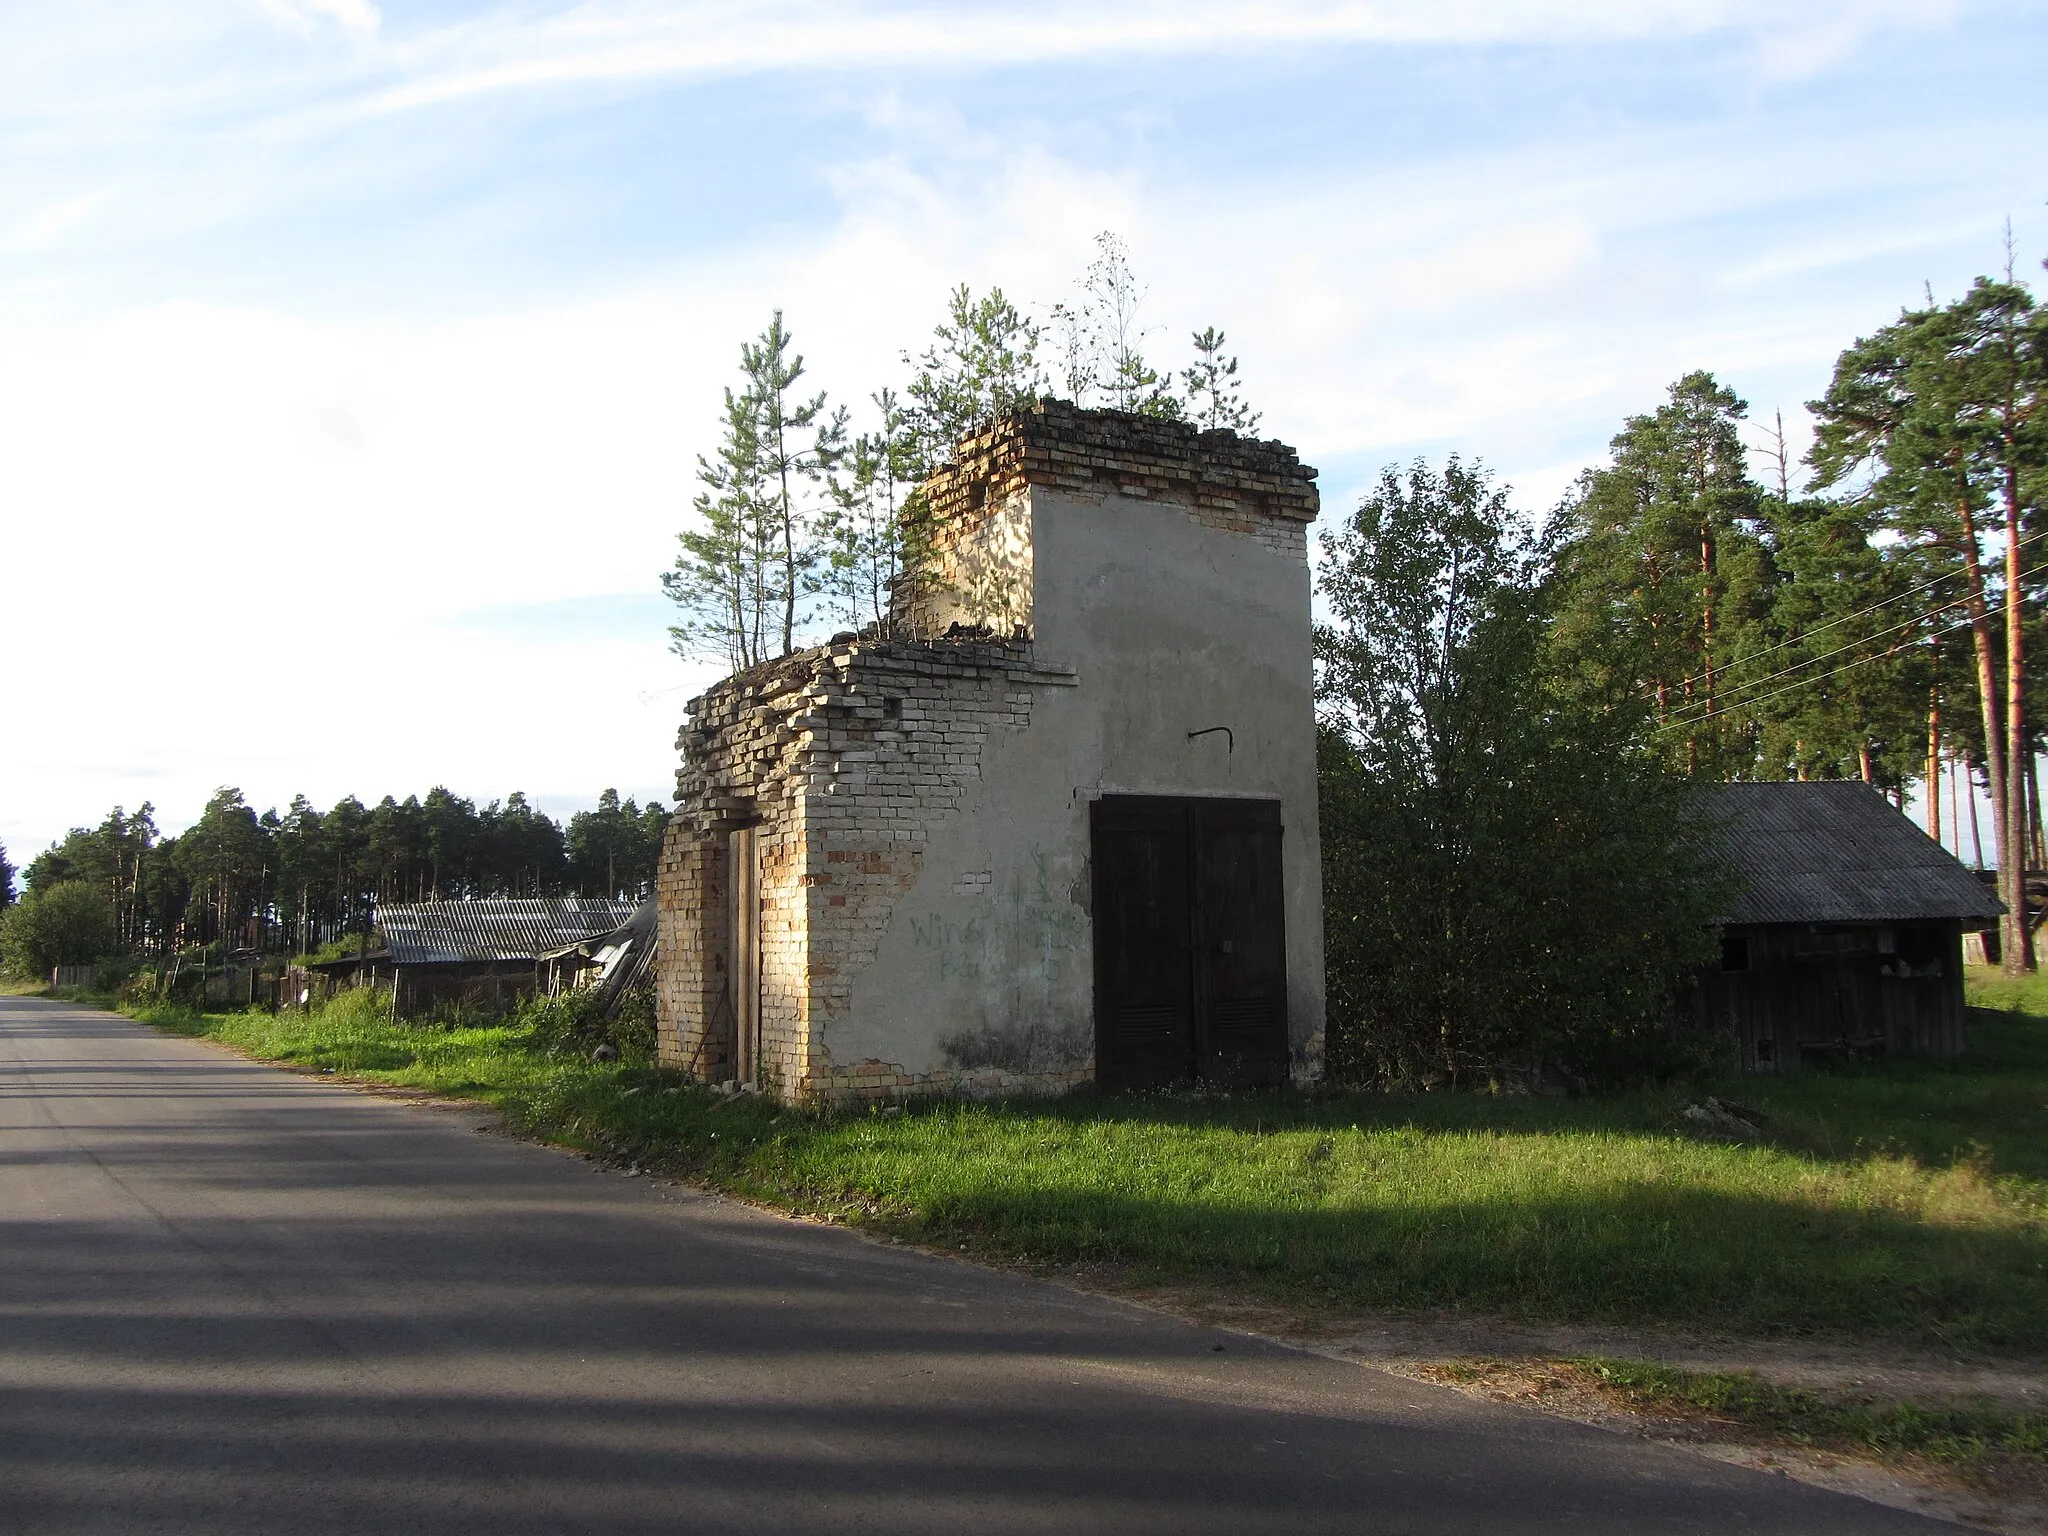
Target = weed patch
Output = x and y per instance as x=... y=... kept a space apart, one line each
x=1961 y=1437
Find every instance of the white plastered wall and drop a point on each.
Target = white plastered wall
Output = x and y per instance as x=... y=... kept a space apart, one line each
x=1173 y=627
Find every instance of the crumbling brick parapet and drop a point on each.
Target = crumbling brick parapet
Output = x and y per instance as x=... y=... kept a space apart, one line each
x=1062 y=447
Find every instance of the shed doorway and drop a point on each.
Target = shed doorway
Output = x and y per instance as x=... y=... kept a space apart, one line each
x=1190 y=941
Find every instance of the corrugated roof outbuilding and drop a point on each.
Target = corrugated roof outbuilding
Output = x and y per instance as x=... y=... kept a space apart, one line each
x=1838 y=852
x=458 y=932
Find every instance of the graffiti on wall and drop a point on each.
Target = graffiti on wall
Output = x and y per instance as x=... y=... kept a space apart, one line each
x=1028 y=934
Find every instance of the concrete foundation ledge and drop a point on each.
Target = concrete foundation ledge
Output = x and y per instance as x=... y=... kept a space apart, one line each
x=1305 y=1069
x=881 y=1081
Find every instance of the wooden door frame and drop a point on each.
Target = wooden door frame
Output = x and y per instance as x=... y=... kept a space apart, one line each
x=743 y=927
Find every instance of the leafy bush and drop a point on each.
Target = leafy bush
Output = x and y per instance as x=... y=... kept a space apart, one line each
x=357 y=1007
x=138 y=987
x=346 y=947
x=121 y=975
x=1512 y=886
x=632 y=1027
x=572 y=1024
x=63 y=924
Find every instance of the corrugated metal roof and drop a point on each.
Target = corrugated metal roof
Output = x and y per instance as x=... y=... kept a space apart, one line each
x=639 y=926
x=1838 y=852
x=452 y=932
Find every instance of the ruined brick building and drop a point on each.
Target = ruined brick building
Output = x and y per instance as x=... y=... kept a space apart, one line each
x=1070 y=836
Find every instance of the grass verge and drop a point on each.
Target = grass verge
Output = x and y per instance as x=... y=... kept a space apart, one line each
x=1967 y=1438
x=1982 y=1442
x=1904 y=1201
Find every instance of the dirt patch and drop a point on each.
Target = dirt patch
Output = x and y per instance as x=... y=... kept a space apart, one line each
x=1395 y=1340
x=2000 y=1493
x=1531 y=1365
x=485 y=1115
x=1830 y=1367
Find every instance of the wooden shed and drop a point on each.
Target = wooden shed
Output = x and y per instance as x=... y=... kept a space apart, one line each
x=1846 y=941
x=483 y=953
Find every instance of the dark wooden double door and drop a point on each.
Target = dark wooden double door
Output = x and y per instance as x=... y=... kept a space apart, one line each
x=1190 y=942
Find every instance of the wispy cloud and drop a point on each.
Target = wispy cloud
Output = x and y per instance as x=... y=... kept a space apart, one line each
x=398 y=63
x=47 y=227
x=303 y=16
x=597 y=43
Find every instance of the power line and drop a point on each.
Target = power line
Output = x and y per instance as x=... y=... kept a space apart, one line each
x=1883 y=602
x=1676 y=725
x=1813 y=661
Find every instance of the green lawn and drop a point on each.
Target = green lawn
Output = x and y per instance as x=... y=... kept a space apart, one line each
x=1904 y=1201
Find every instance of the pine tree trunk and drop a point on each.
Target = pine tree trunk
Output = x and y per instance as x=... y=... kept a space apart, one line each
x=2018 y=957
x=1934 y=763
x=1976 y=842
x=788 y=554
x=2038 y=842
x=2011 y=927
x=1707 y=630
x=1955 y=823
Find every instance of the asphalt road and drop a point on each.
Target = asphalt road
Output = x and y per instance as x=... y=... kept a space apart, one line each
x=236 y=1299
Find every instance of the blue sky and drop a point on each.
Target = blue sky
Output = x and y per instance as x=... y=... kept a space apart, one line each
x=354 y=357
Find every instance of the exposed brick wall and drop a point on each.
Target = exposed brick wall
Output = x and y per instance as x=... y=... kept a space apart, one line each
x=732 y=775
x=846 y=757
x=691 y=1002
x=976 y=571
